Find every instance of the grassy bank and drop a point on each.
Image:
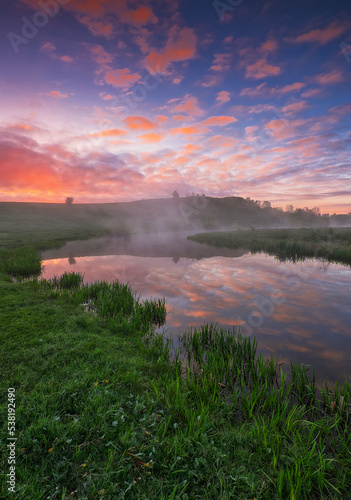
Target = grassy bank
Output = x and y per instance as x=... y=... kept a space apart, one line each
x=102 y=413
x=332 y=244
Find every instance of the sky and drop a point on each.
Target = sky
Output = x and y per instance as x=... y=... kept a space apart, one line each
x=117 y=100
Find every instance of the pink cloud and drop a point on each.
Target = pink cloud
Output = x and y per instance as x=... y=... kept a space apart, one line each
x=250 y=130
x=293 y=87
x=97 y=28
x=221 y=62
x=211 y=80
x=311 y=93
x=218 y=121
x=100 y=55
x=261 y=69
x=51 y=49
x=295 y=107
x=67 y=59
x=188 y=105
x=262 y=89
x=181 y=46
x=57 y=94
x=280 y=129
x=139 y=123
x=269 y=46
x=106 y=97
x=252 y=92
x=142 y=15
x=48 y=47
x=330 y=78
x=109 y=133
x=223 y=97
x=192 y=130
x=151 y=138
x=323 y=36
x=121 y=78
x=228 y=39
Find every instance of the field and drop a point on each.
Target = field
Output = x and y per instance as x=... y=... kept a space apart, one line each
x=332 y=244
x=103 y=412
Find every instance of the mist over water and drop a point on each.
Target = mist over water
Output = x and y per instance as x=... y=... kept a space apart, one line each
x=299 y=312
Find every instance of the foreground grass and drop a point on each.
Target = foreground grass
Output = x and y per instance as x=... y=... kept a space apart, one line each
x=101 y=413
x=332 y=244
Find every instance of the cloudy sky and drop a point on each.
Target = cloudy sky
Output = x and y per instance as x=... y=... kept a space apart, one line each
x=117 y=100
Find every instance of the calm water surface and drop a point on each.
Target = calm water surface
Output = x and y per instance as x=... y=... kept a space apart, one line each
x=299 y=312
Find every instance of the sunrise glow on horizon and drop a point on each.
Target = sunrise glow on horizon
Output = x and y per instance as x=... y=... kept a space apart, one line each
x=118 y=100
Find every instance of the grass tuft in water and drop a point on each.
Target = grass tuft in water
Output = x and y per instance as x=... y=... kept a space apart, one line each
x=114 y=300
x=20 y=262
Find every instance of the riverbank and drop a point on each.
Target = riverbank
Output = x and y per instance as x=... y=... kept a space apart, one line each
x=332 y=244
x=102 y=413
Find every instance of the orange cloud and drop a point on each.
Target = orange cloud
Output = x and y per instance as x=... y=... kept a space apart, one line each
x=106 y=97
x=189 y=130
x=152 y=137
x=57 y=94
x=142 y=15
x=188 y=105
x=322 y=36
x=282 y=129
x=139 y=123
x=180 y=46
x=218 y=121
x=97 y=28
x=109 y=133
x=21 y=127
x=100 y=55
x=67 y=59
x=121 y=78
x=261 y=69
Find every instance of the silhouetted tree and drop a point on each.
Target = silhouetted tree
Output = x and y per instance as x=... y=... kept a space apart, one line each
x=266 y=204
x=175 y=195
x=69 y=200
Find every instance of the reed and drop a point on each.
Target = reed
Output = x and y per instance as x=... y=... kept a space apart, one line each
x=20 y=262
x=331 y=244
x=114 y=300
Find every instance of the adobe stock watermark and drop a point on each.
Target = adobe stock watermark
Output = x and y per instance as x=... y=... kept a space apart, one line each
x=199 y=202
x=225 y=7
x=265 y=308
x=30 y=28
x=346 y=50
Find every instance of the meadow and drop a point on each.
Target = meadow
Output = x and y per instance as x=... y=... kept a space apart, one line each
x=104 y=411
x=331 y=244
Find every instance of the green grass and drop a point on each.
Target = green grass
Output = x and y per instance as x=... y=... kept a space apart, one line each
x=102 y=412
x=21 y=262
x=332 y=244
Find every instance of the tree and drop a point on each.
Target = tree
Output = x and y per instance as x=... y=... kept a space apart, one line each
x=266 y=204
x=69 y=200
x=175 y=195
x=290 y=208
